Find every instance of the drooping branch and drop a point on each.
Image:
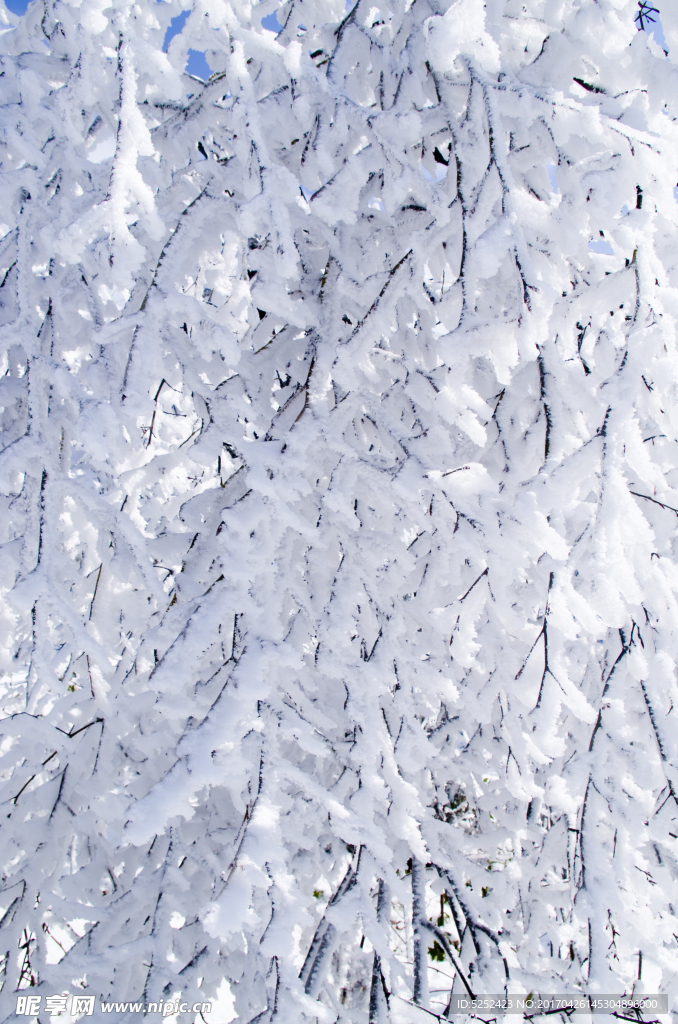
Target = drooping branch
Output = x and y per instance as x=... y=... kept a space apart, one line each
x=419 y=923
x=378 y=995
x=325 y=937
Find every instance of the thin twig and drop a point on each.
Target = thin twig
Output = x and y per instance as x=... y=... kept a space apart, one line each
x=669 y=508
x=376 y=302
x=96 y=587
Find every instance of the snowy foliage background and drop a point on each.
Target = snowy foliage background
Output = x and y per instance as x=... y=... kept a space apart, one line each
x=339 y=492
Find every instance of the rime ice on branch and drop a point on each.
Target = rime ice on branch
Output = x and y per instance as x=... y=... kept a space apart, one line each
x=339 y=490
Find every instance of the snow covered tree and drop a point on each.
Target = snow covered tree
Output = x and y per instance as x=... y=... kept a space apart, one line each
x=339 y=497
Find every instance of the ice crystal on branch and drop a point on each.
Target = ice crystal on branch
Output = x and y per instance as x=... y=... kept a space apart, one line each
x=339 y=503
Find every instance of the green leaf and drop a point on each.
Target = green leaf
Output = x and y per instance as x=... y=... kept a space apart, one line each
x=436 y=952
